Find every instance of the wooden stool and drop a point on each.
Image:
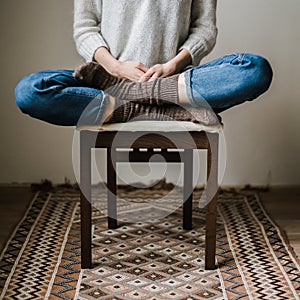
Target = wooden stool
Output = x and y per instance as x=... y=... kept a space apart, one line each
x=151 y=135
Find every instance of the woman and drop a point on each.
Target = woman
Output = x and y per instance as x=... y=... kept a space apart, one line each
x=143 y=54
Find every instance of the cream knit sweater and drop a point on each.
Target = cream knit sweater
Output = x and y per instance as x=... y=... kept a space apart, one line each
x=148 y=31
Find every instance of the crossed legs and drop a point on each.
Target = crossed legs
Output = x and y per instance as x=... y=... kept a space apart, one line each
x=60 y=98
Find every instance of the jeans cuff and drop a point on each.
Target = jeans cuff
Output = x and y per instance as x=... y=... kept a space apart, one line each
x=187 y=79
x=102 y=108
x=189 y=90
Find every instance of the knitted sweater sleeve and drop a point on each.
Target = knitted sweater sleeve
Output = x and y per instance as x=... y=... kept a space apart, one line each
x=203 y=30
x=86 y=30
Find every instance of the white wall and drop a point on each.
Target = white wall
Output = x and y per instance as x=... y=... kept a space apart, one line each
x=262 y=137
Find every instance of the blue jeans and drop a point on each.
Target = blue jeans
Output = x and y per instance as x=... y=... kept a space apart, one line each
x=55 y=96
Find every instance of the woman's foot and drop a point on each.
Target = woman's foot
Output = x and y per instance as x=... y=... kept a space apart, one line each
x=94 y=75
x=119 y=111
x=155 y=92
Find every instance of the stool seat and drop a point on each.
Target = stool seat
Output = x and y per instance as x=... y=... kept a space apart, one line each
x=160 y=126
x=156 y=126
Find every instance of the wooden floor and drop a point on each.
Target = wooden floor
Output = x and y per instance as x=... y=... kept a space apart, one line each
x=13 y=202
x=283 y=205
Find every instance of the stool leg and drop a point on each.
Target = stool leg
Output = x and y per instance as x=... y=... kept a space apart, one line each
x=211 y=209
x=210 y=236
x=112 y=189
x=85 y=202
x=187 y=189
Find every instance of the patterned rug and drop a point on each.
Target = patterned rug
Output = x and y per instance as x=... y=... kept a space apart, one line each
x=147 y=260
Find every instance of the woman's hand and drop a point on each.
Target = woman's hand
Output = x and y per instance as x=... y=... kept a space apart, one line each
x=175 y=65
x=159 y=70
x=132 y=70
x=136 y=71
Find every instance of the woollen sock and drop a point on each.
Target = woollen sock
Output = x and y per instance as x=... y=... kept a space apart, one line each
x=159 y=91
x=126 y=111
x=155 y=92
x=94 y=75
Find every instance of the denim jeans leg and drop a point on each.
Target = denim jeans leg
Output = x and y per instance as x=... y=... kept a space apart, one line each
x=56 y=97
x=228 y=81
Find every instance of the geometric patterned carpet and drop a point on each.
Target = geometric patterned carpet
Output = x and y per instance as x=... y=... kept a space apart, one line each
x=147 y=260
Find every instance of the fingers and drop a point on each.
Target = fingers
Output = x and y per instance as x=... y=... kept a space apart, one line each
x=152 y=73
x=142 y=67
x=138 y=74
x=133 y=70
x=147 y=75
x=140 y=71
x=155 y=75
